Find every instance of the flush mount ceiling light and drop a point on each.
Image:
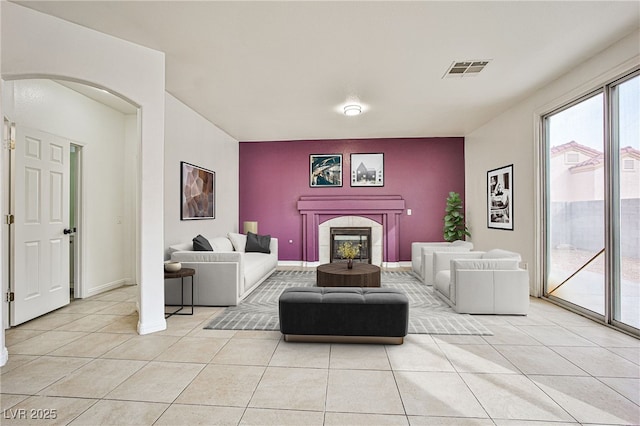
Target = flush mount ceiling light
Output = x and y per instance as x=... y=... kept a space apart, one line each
x=352 y=109
x=461 y=69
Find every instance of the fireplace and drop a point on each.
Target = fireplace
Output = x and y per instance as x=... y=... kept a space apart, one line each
x=381 y=212
x=358 y=236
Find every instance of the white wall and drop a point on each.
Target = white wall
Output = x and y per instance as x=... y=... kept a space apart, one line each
x=50 y=107
x=131 y=182
x=39 y=45
x=4 y=355
x=510 y=138
x=190 y=137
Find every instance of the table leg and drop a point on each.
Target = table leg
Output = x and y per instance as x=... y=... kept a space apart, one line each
x=178 y=312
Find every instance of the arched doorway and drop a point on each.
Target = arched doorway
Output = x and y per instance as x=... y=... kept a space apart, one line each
x=103 y=129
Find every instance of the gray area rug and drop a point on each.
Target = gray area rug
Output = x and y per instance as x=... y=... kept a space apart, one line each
x=427 y=313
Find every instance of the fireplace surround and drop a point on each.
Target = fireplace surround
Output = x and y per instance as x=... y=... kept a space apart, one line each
x=382 y=210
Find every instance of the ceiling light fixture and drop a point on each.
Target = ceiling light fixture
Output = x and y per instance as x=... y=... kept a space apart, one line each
x=352 y=109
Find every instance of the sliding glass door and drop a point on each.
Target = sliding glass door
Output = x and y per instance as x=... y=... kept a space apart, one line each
x=626 y=138
x=592 y=194
x=576 y=221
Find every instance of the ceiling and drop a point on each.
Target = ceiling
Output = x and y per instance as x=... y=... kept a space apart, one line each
x=283 y=70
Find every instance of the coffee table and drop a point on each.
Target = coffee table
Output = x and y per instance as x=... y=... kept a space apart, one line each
x=336 y=274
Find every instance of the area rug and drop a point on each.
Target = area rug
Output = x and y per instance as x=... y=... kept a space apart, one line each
x=427 y=313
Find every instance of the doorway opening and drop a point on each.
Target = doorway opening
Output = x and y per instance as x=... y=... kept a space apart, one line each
x=52 y=193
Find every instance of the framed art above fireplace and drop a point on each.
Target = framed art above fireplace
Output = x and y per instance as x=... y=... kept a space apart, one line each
x=325 y=170
x=367 y=169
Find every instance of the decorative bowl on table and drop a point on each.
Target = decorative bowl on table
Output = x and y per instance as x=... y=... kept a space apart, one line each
x=171 y=266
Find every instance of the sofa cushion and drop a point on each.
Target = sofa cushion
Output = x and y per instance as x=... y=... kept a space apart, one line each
x=258 y=243
x=239 y=241
x=206 y=256
x=501 y=254
x=485 y=264
x=442 y=259
x=180 y=247
x=200 y=243
x=462 y=243
x=256 y=266
x=221 y=244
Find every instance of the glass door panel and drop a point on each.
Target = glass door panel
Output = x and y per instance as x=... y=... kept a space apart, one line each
x=627 y=130
x=576 y=209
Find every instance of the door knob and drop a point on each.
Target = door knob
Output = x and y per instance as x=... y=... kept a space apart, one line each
x=67 y=231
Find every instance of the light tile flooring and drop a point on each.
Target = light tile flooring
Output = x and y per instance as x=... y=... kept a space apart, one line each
x=86 y=364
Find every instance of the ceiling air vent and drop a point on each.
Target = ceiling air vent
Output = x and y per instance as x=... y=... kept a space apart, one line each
x=461 y=69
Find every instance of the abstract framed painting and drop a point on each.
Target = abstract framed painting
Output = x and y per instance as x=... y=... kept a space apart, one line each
x=500 y=198
x=325 y=170
x=197 y=192
x=367 y=169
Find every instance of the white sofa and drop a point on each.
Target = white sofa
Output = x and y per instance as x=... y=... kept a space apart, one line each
x=422 y=256
x=482 y=282
x=223 y=276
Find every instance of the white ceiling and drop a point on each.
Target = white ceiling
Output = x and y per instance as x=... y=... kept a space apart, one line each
x=283 y=70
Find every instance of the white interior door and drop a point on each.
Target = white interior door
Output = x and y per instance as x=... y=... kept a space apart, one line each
x=41 y=208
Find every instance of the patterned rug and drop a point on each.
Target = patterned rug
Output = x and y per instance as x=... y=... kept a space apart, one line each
x=427 y=313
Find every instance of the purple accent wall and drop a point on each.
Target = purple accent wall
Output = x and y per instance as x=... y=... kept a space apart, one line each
x=274 y=175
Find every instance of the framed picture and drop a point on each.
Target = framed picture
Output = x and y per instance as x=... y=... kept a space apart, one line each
x=197 y=192
x=325 y=170
x=367 y=169
x=500 y=198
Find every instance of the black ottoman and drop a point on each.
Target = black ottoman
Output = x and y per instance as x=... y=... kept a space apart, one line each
x=344 y=314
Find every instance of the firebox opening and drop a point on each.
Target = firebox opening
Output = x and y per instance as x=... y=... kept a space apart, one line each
x=358 y=236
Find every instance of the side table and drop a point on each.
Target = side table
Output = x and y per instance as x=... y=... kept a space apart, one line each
x=182 y=273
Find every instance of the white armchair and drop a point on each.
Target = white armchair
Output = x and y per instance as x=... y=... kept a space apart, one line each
x=422 y=256
x=482 y=282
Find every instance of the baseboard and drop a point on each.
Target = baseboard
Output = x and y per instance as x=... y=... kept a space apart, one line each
x=4 y=357
x=105 y=287
x=152 y=328
x=291 y=263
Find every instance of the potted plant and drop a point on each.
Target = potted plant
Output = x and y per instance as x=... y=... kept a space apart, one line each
x=349 y=251
x=454 y=227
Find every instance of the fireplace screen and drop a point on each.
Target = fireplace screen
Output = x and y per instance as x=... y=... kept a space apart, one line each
x=356 y=236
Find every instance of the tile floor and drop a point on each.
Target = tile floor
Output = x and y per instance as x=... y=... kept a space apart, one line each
x=86 y=364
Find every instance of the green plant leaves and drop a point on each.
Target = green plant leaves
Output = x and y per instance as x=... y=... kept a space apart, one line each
x=454 y=226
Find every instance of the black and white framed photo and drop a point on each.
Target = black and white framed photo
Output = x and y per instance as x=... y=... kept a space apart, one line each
x=500 y=198
x=367 y=169
x=197 y=192
x=325 y=170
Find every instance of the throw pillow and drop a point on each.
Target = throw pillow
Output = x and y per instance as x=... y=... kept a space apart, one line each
x=200 y=243
x=258 y=243
x=239 y=241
